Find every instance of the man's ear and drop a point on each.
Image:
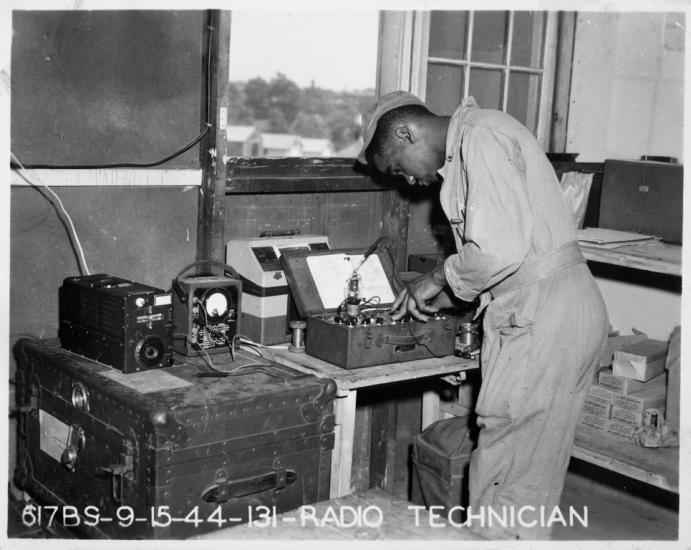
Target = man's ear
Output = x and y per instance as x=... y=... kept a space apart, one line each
x=404 y=133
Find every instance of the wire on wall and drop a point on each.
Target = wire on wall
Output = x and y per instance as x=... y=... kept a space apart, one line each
x=154 y=163
x=76 y=244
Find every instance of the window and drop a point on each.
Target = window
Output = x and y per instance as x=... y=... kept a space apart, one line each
x=300 y=81
x=505 y=59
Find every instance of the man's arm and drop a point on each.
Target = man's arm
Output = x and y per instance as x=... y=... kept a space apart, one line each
x=498 y=217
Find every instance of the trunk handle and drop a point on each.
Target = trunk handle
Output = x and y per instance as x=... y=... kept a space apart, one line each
x=226 y=489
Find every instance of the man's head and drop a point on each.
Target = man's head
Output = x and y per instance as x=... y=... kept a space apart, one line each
x=402 y=137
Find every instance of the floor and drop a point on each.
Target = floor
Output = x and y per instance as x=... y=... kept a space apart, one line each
x=618 y=508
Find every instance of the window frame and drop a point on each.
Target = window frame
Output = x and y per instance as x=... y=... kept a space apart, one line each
x=419 y=21
x=401 y=64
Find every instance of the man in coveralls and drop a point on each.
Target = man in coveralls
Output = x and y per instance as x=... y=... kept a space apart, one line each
x=545 y=323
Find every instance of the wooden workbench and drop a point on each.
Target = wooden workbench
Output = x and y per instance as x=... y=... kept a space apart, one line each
x=348 y=381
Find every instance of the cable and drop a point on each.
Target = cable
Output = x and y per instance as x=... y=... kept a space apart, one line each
x=145 y=164
x=83 y=268
x=420 y=342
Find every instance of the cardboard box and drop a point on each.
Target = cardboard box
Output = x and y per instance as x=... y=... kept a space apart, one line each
x=586 y=432
x=640 y=360
x=673 y=367
x=629 y=416
x=615 y=343
x=600 y=394
x=593 y=421
x=638 y=402
x=596 y=408
x=621 y=430
x=622 y=384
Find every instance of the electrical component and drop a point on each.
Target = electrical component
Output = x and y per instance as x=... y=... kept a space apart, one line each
x=117 y=322
x=207 y=311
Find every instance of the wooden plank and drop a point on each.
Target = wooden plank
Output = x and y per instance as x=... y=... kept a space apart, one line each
x=211 y=225
x=341 y=467
x=658 y=258
x=360 y=471
x=659 y=467
x=383 y=443
x=395 y=210
x=430 y=408
x=295 y=184
x=562 y=85
x=398 y=522
x=301 y=175
x=372 y=376
x=141 y=177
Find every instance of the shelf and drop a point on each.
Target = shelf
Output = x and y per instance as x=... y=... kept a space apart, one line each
x=658 y=467
x=657 y=258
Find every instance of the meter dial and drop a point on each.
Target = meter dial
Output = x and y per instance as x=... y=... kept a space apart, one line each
x=217 y=303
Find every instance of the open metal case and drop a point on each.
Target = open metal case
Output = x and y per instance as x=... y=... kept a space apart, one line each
x=371 y=337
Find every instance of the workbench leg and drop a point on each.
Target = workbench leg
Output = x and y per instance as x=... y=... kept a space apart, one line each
x=342 y=457
x=430 y=408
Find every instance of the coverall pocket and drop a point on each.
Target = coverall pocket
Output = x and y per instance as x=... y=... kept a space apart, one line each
x=510 y=324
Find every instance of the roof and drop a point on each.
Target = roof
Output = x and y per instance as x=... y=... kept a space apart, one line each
x=316 y=145
x=350 y=151
x=280 y=141
x=240 y=133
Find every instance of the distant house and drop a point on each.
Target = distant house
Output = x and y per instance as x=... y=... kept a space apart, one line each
x=317 y=147
x=244 y=141
x=282 y=145
x=352 y=150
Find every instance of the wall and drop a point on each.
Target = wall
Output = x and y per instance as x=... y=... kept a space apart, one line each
x=97 y=87
x=627 y=101
x=627 y=86
x=140 y=233
x=348 y=219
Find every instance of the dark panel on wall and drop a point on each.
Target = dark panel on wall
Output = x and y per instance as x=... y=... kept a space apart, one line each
x=348 y=219
x=101 y=87
x=140 y=233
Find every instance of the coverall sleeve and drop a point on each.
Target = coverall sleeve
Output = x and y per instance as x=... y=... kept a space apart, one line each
x=498 y=217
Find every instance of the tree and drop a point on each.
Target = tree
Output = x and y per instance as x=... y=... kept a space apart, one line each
x=238 y=111
x=277 y=123
x=310 y=126
x=284 y=95
x=257 y=93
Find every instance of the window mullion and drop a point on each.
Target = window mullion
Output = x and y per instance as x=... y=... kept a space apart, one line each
x=509 y=41
x=469 y=49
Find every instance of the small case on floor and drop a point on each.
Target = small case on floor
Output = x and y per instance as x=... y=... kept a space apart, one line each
x=441 y=454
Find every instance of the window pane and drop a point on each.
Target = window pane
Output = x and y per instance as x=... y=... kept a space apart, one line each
x=444 y=88
x=486 y=87
x=448 y=34
x=528 y=32
x=306 y=97
x=489 y=36
x=524 y=98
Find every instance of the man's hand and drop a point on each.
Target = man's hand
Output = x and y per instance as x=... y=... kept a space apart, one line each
x=426 y=294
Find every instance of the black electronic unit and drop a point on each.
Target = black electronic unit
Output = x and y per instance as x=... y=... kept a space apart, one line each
x=207 y=312
x=117 y=322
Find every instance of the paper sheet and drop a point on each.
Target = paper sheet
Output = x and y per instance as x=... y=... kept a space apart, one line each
x=611 y=238
x=332 y=271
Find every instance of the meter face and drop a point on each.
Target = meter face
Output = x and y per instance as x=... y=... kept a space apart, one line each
x=216 y=304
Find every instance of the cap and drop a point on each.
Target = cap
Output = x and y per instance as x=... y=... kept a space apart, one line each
x=384 y=104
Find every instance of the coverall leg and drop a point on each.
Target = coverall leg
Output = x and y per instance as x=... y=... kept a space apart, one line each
x=541 y=344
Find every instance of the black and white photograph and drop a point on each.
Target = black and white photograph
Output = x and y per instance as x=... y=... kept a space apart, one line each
x=298 y=274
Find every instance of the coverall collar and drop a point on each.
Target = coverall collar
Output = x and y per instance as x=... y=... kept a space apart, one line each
x=453 y=133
